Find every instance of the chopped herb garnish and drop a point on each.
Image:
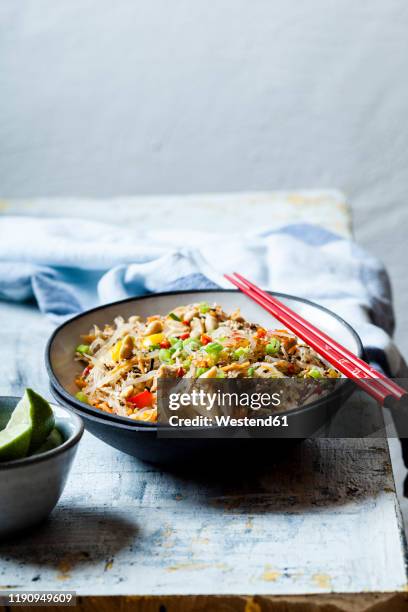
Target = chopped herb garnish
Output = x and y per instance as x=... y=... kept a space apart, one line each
x=240 y=352
x=273 y=346
x=213 y=348
x=204 y=307
x=201 y=371
x=165 y=356
x=81 y=397
x=83 y=349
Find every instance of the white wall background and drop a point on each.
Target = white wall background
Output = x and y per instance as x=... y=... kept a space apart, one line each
x=152 y=96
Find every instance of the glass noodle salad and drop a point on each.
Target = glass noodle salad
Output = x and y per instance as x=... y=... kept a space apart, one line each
x=124 y=360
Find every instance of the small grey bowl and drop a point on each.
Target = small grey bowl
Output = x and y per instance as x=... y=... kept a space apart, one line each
x=31 y=487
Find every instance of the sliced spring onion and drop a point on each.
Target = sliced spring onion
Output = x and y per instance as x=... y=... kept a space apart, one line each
x=83 y=349
x=165 y=356
x=251 y=371
x=239 y=352
x=201 y=371
x=315 y=373
x=204 y=307
x=176 y=347
x=173 y=316
x=273 y=346
x=82 y=397
x=193 y=344
x=213 y=348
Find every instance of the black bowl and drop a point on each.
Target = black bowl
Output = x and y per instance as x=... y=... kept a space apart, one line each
x=141 y=439
x=145 y=444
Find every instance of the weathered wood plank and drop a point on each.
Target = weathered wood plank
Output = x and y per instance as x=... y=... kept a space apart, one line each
x=323 y=519
x=356 y=602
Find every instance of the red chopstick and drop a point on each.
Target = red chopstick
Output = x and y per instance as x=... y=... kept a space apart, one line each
x=361 y=367
x=372 y=387
x=373 y=382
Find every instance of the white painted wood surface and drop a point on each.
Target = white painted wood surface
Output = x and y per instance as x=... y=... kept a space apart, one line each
x=206 y=212
x=324 y=519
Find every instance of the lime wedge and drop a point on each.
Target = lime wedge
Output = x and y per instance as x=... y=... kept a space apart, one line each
x=54 y=439
x=15 y=441
x=34 y=411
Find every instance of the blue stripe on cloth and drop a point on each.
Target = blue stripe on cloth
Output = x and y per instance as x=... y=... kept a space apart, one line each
x=192 y=281
x=307 y=233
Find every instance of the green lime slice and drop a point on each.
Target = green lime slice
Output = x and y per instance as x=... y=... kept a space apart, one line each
x=54 y=439
x=15 y=441
x=33 y=410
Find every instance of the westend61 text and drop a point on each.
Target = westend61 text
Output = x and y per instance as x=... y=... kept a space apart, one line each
x=228 y=421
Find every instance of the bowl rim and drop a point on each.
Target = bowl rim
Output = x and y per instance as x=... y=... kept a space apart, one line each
x=54 y=452
x=118 y=420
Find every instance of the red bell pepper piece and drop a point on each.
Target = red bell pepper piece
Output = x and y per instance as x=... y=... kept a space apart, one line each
x=86 y=371
x=144 y=399
x=165 y=344
x=184 y=336
x=205 y=339
x=180 y=372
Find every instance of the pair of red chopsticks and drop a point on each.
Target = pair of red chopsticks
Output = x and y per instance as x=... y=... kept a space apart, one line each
x=373 y=382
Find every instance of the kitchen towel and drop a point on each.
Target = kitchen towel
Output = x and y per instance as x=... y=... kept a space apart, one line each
x=69 y=265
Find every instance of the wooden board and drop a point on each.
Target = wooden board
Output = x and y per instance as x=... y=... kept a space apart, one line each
x=356 y=602
x=323 y=520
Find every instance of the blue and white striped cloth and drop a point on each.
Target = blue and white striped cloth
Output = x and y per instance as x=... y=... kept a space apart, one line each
x=70 y=265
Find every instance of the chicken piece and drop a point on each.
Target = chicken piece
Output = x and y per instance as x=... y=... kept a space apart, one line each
x=155 y=327
x=196 y=328
x=236 y=367
x=211 y=322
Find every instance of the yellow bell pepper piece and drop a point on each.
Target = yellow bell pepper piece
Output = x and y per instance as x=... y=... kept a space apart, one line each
x=115 y=350
x=153 y=339
x=148 y=415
